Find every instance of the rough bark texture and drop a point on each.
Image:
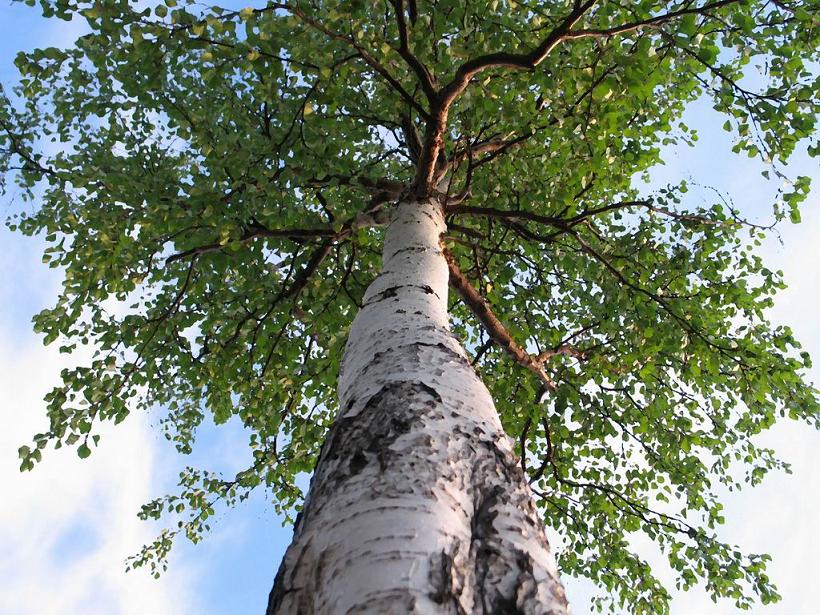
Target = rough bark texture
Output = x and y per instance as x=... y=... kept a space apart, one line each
x=417 y=504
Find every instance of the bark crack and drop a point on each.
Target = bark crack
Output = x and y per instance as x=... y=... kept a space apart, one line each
x=393 y=291
x=413 y=250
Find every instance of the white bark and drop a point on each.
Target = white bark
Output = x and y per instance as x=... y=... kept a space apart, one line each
x=417 y=504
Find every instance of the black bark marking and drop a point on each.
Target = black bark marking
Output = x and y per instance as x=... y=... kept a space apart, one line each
x=459 y=358
x=481 y=549
x=368 y=435
x=427 y=214
x=378 y=356
x=504 y=605
x=447 y=581
x=387 y=293
x=393 y=291
x=441 y=577
x=414 y=249
x=429 y=390
x=357 y=463
x=492 y=559
x=481 y=525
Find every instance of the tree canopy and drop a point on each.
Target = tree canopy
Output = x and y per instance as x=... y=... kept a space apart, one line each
x=214 y=182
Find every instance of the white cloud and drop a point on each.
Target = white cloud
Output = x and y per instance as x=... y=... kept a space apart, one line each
x=67 y=527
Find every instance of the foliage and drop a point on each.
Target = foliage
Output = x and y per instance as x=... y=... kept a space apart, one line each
x=212 y=183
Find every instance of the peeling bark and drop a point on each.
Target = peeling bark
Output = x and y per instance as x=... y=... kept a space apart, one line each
x=417 y=504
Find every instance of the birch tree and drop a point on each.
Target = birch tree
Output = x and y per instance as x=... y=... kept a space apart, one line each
x=260 y=212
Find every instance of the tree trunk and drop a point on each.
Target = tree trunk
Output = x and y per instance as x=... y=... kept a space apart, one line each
x=417 y=503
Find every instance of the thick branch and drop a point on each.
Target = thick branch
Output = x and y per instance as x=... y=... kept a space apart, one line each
x=254 y=233
x=494 y=327
x=433 y=142
x=563 y=32
x=647 y=23
x=440 y=108
x=501 y=59
x=363 y=53
x=566 y=223
x=426 y=80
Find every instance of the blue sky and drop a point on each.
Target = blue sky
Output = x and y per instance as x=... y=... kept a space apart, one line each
x=66 y=528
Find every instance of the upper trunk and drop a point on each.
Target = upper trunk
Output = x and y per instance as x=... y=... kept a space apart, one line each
x=417 y=503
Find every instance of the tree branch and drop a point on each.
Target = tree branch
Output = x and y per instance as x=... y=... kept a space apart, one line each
x=503 y=59
x=434 y=141
x=566 y=223
x=363 y=53
x=254 y=233
x=426 y=80
x=646 y=23
x=494 y=327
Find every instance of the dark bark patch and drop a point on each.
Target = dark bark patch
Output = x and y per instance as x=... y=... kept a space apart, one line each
x=357 y=462
x=505 y=605
x=445 y=349
x=368 y=436
x=393 y=291
x=441 y=577
x=412 y=249
x=481 y=525
x=429 y=390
